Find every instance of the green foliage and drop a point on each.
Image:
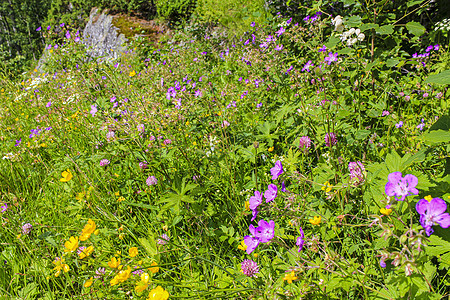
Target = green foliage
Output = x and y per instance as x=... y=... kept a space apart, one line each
x=175 y=10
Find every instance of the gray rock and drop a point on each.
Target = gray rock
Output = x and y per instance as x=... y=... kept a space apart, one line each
x=102 y=37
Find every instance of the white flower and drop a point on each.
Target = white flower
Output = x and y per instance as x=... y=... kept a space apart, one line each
x=361 y=37
x=338 y=24
x=351 y=31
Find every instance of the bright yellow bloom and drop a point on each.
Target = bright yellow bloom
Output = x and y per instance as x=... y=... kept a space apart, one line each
x=121 y=198
x=385 y=211
x=60 y=265
x=242 y=246
x=132 y=73
x=289 y=277
x=121 y=276
x=84 y=236
x=165 y=227
x=140 y=287
x=89 y=282
x=71 y=245
x=316 y=220
x=145 y=277
x=327 y=187
x=88 y=229
x=67 y=175
x=428 y=198
x=86 y=252
x=133 y=251
x=247 y=205
x=158 y=294
x=155 y=268
x=270 y=149
x=114 y=263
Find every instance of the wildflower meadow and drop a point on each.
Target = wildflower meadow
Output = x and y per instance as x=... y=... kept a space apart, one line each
x=306 y=157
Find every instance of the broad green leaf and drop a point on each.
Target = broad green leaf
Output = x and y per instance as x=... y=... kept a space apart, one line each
x=385 y=29
x=437 y=136
x=354 y=21
x=441 y=78
x=368 y=26
x=149 y=246
x=392 y=62
x=415 y=28
x=332 y=42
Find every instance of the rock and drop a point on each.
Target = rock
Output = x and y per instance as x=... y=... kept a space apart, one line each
x=102 y=37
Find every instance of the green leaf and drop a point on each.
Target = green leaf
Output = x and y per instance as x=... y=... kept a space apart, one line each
x=362 y=134
x=415 y=28
x=437 y=136
x=368 y=26
x=354 y=21
x=385 y=29
x=149 y=246
x=441 y=78
x=332 y=42
x=392 y=62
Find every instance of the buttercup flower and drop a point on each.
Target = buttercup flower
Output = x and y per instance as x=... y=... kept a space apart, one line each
x=249 y=268
x=133 y=251
x=277 y=170
x=60 y=266
x=401 y=187
x=66 y=176
x=158 y=293
x=289 y=277
x=114 y=263
x=122 y=276
x=316 y=220
x=242 y=246
x=154 y=267
x=433 y=213
x=88 y=282
x=88 y=229
x=86 y=252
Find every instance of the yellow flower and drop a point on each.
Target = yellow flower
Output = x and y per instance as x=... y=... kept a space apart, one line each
x=242 y=246
x=428 y=198
x=71 y=245
x=155 y=268
x=165 y=227
x=60 y=265
x=145 y=277
x=247 y=205
x=88 y=282
x=316 y=220
x=67 y=175
x=385 y=211
x=132 y=73
x=289 y=277
x=255 y=255
x=84 y=236
x=117 y=193
x=114 y=263
x=158 y=294
x=121 y=198
x=141 y=286
x=86 y=252
x=121 y=276
x=327 y=187
x=270 y=149
x=133 y=251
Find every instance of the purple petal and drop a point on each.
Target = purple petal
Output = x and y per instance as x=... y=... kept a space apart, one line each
x=254 y=214
x=444 y=220
x=252 y=229
x=422 y=206
x=389 y=189
x=437 y=206
x=411 y=180
x=395 y=177
x=251 y=243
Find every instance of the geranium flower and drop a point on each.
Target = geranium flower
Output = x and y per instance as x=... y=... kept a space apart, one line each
x=265 y=231
x=401 y=187
x=277 y=170
x=250 y=240
x=433 y=213
x=271 y=193
x=255 y=200
x=300 y=240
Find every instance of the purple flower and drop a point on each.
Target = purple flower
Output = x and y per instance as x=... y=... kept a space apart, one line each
x=308 y=65
x=49 y=103
x=280 y=31
x=265 y=231
x=167 y=141
x=277 y=170
x=300 y=240
x=436 y=47
x=279 y=47
x=357 y=171
x=288 y=70
x=330 y=139
x=385 y=113
x=62 y=24
x=104 y=162
x=433 y=213
x=255 y=200
x=250 y=240
x=323 y=49
x=254 y=214
x=399 y=124
x=331 y=58
x=401 y=187
x=67 y=34
x=304 y=143
x=151 y=180
x=49 y=27
x=252 y=24
x=429 y=48
x=163 y=240
x=283 y=187
x=271 y=193
x=18 y=142
x=39 y=28
x=26 y=228
x=143 y=165
x=4 y=207
x=93 y=110
x=249 y=268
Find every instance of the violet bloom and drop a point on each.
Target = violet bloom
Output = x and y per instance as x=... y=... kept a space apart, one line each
x=255 y=200
x=385 y=113
x=308 y=65
x=49 y=103
x=279 y=47
x=399 y=124
x=330 y=139
x=26 y=228
x=250 y=240
x=436 y=47
x=277 y=170
x=18 y=142
x=39 y=28
x=331 y=58
x=429 y=48
x=357 y=171
x=151 y=180
x=300 y=240
x=254 y=214
x=271 y=193
x=3 y=207
x=304 y=143
x=249 y=268
x=401 y=187
x=93 y=110
x=433 y=213
x=143 y=165
x=104 y=162
x=163 y=240
x=280 y=31
x=265 y=231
